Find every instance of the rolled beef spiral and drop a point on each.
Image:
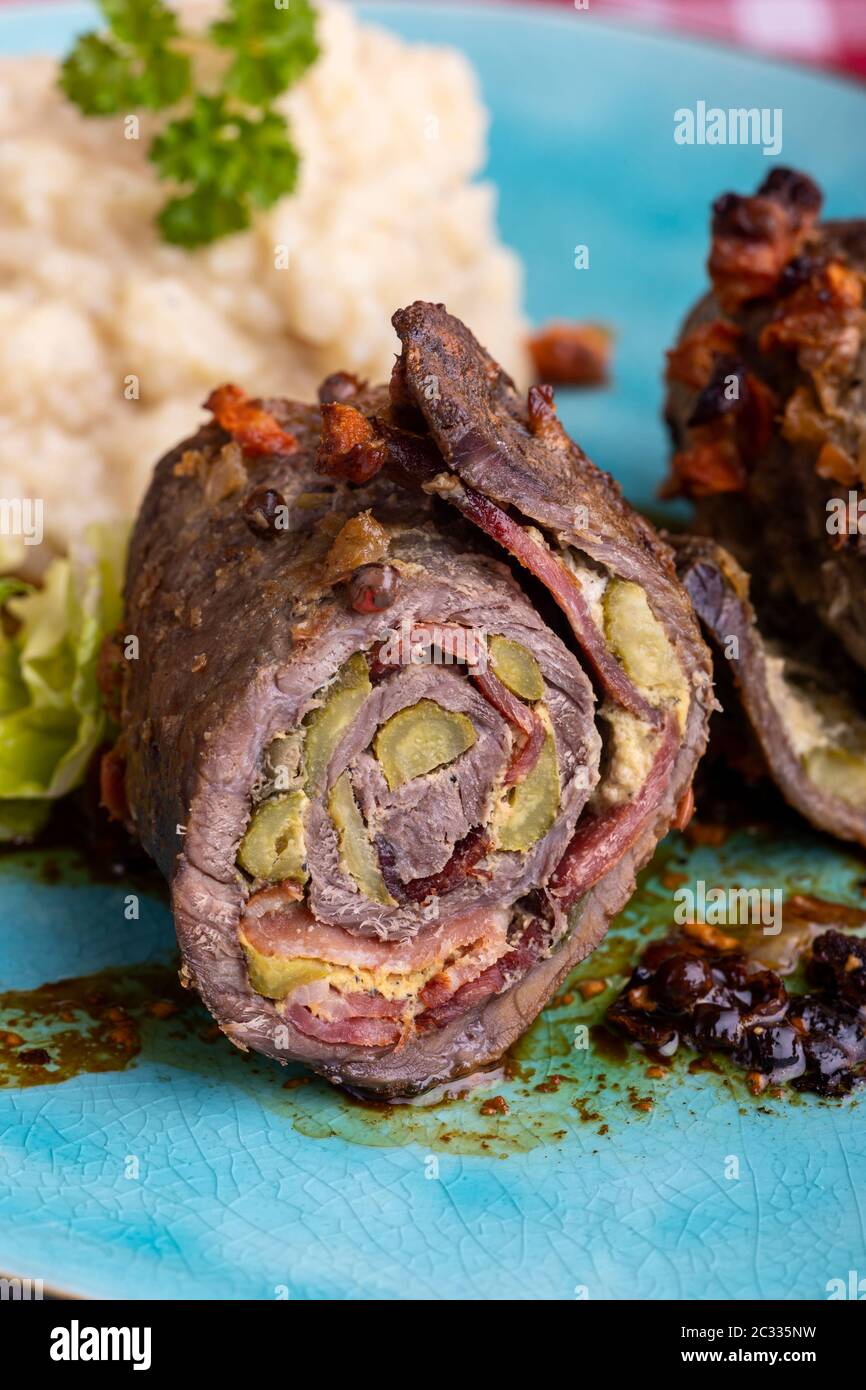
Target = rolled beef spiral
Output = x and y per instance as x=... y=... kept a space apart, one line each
x=416 y=696
x=766 y=409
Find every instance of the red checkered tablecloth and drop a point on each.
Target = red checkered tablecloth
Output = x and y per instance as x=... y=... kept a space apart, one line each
x=827 y=33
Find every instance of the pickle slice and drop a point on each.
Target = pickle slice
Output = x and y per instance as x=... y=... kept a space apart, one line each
x=516 y=667
x=273 y=847
x=417 y=739
x=326 y=725
x=637 y=638
x=838 y=772
x=355 y=846
x=530 y=808
x=277 y=976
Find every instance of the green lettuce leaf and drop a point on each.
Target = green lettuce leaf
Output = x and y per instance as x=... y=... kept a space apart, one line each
x=51 y=716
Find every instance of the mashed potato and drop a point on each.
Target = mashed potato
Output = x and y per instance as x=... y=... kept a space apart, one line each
x=109 y=339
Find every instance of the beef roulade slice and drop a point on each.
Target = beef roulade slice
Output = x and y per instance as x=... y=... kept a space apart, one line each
x=410 y=710
x=766 y=408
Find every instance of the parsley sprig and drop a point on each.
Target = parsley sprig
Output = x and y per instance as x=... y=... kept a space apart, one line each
x=227 y=150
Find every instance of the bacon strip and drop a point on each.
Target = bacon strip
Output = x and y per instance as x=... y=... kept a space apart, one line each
x=526 y=757
x=368 y=1019
x=463 y=646
x=333 y=1005
x=524 y=719
x=248 y=423
x=502 y=699
x=278 y=925
x=465 y=856
x=441 y=1010
x=600 y=841
x=565 y=589
x=356 y=1032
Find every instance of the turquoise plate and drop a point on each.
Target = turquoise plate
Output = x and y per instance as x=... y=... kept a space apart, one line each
x=149 y=1159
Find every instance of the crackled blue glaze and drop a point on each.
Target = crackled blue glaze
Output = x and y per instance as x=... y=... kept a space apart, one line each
x=246 y=1189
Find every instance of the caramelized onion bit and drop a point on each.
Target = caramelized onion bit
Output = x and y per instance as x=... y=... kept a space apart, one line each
x=348 y=447
x=362 y=540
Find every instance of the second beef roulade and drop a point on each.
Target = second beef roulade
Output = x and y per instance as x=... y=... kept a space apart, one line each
x=765 y=405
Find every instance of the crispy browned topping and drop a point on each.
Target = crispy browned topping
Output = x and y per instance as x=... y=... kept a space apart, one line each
x=348 y=447
x=248 y=423
x=764 y=249
x=693 y=360
x=730 y=426
x=708 y=466
x=822 y=322
x=803 y=422
x=571 y=354
x=753 y=239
